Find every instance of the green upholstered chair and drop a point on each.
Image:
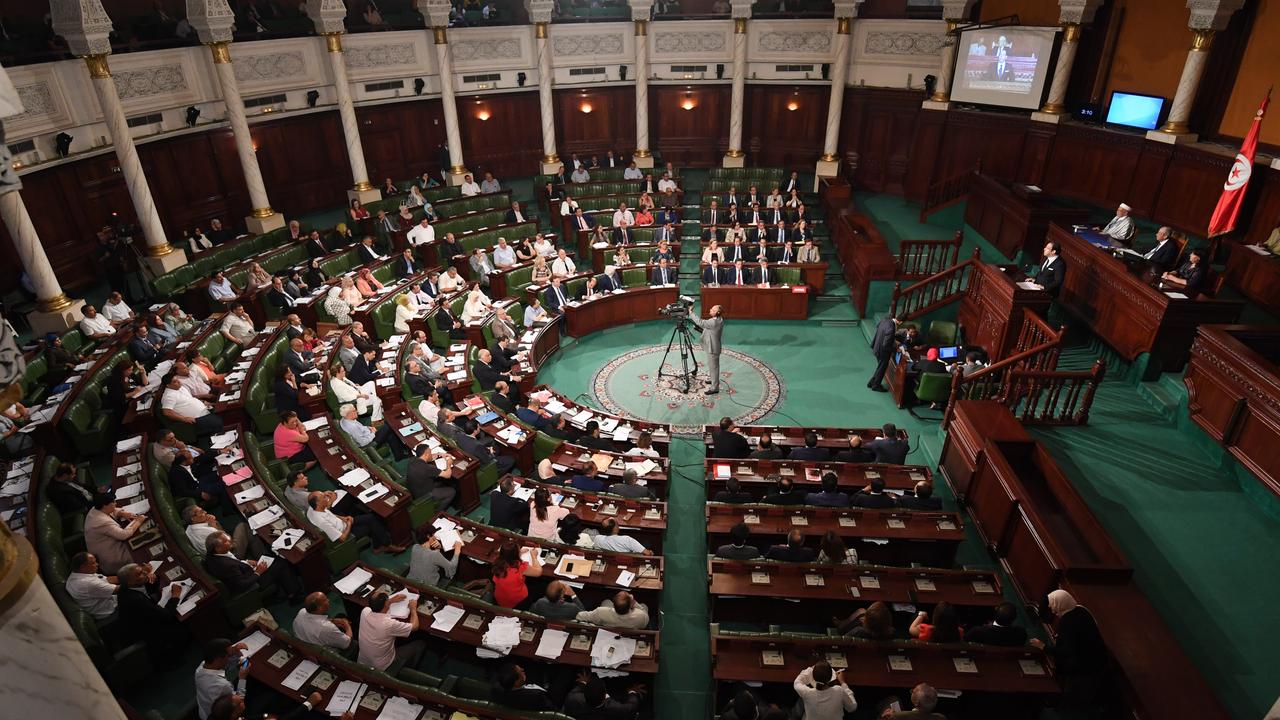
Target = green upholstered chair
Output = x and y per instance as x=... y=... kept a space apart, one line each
x=932 y=387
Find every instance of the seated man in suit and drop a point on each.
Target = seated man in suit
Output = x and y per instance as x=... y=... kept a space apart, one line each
x=239 y=576
x=365 y=368
x=874 y=496
x=587 y=480
x=786 y=494
x=143 y=618
x=855 y=453
x=784 y=255
x=830 y=494
x=663 y=275
x=739 y=274
x=468 y=440
x=420 y=382
x=405 y=265
x=557 y=296
x=921 y=498
x=924 y=698
x=447 y=322
x=487 y=373
x=727 y=442
x=738 y=549
x=621 y=235
x=302 y=362
x=278 y=296
x=364 y=437
x=1002 y=631
x=510 y=688
x=592 y=439
x=533 y=415
x=506 y=354
x=424 y=477
x=610 y=280
x=766 y=450
x=889 y=447
x=712 y=274
x=810 y=451
x=630 y=487
x=560 y=428
x=732 y=493
x=515 y=214
x=1165 y=254
x=315 y=245
x=505 y=510
x=502 y=398
x=144 y=348
x=762 y=275
x=367 y=253
x=1052 y=271
x=793 y=551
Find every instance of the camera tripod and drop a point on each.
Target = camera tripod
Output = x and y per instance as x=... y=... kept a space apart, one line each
x=681 y=336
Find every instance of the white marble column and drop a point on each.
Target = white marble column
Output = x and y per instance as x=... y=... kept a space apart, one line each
x=159 y=254
x=55 y=311
x=829 y=164
x=642 y=156
x=449 y=103
x=263 y=218
x=49 y=675
x=735 y=157
x=1189 y=83
x=361 y=188
x=550 y=161
x=1055 y=104
x=942 y=87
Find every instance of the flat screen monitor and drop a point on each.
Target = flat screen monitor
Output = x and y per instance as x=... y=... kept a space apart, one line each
x=948 y=353
x=1006 y=66
x=1135 y=111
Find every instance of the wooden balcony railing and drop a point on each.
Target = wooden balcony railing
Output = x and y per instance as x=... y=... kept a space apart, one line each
x=919 y=259
x=947 y=191
x=933 y=292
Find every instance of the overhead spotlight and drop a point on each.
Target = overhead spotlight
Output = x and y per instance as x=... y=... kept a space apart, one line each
x=313 y=97
x=193 y=114
x=418 y=86
x=622 y=72
x=826 y=70
x=521 y=78
x=719 y=71
x=63 y=143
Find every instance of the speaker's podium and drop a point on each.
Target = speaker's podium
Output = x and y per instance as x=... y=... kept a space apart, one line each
x=992 y=312
x=1014 y=216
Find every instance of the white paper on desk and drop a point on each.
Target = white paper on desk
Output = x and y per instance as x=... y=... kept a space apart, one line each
x=448 y=538
x=235 y=377
x=457 y=375
x=442 y=464
x=453 y=361
x=189 y=604
x=397 y=708
x=129 y=469
x=224 y=459
x=166 y=593
x=252 y=493
x=400 y=609
x=353 y=581
x=1177 y=295
x=643 y=467
x=353 y=477
x=16 y=487
x=253 y=643
x=622 y=433
x=129 y=491
x=555 y=407
x=523 y=493
x=581 y=418
x=1028 y=285
x=131 y=444
x=217 y=442
x=607 y=425
x=265 y=517
x=344 y=698
x=1256 y=248
x=625 y=578
x=502 y=634
x=610 y=650
x=446 y=618
x=251 y=351
x=317 y=422
x=89 y=363
x=370 y=494
x=139 y=508
x=287 y=539
x=300 y=675
x=265 y=559
x=155 y=565
x=552 y=643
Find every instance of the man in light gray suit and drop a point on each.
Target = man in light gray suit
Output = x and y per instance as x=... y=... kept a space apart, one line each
x=711 y=329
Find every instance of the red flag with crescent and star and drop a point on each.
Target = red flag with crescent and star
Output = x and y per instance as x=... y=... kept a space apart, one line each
x=1228 y=209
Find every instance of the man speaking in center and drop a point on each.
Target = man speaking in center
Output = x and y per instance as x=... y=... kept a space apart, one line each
x=711 y=329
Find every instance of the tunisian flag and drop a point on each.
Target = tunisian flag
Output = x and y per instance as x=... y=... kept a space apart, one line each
x=1228 y=209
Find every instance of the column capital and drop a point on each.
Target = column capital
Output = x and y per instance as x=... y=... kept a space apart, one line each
x=437 y=13
x=846 y=9
x=1211 y=14
x=641 y=10
x=740 y=10
x=329 y=16
x=84 y=24
x=1079 y=12
x=98 y=65
x=540 y=12
x=956 y=9
x=212 y=20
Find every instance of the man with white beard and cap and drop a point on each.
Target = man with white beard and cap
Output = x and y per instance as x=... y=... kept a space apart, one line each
x=1121 y=227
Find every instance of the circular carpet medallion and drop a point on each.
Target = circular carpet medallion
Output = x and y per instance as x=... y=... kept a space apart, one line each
x=631 y=384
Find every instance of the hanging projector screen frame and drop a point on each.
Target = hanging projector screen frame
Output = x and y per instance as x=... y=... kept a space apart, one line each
x=1029 y=58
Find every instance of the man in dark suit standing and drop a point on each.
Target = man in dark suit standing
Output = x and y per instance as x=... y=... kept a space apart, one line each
x=727 y=442
x=1004 y=631
x=882 y=349
x=1052 y=271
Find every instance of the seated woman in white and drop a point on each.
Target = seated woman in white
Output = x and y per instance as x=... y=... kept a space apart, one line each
x=415 y=198
x=405 y=311
x=477 y=305
x=364 y=396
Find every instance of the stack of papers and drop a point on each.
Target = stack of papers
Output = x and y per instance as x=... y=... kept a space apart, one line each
x=622 y=433
x=129 y=491
x=555 y=407
x=400 y=609
x=397 y=708
x=352 y=478
x=131 y=444
x=552 y=643
x=446 y=618
x=252 y=493
x=611 y=651
x=221 y=440
x=240 y=475
x=266 y=517
x=166 y=593
x=253 y=643
x=287 y=539
x=644 y=467
x=345 y=698
x=502 y=635
x=139 y=508
x=511 y=434
x=354 y=580
x=317 y=422
x=228 y=458
x=300 y=675
x=129 y=469
x=446 y=532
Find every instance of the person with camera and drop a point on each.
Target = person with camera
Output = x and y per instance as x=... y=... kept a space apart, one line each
x=711 y=328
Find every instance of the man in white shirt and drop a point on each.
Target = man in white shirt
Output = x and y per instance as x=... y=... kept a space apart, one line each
x=568 y=206
x=117 y=311
x=340 y=527
x=237 y=326
x=580 y=174
x=489 y=184
x=543 y=246
x=611 y=540
x=364 y=396
x=196 y=386
x=421 y=234
x=312 y=624
x=95 y=325
x=221 y=289
x=211 y=675
x=503 y=255
x=91 y=590
x=362 y=436
x=1121 y=227
x=469 y=186
x=632 y=172
x=793 y=183
x=563 y=265
x=535 y=313
x=178 y=405
x=666 y=184
x=201 y=524
x=451 y=280
x=378 y=633
x=823 y=693
x=621 y=611
x=623 y=215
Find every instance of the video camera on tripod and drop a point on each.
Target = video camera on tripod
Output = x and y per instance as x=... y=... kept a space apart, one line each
x=682 y=341
x=678 y=310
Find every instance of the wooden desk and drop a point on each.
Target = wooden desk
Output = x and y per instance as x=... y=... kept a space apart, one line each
x=1255 y=275
x=539 y=342
x=569 y=458
x=464 y=641
x=632 y=305
x=760 y=591
x=755 y=476
x=464 y=466
x=481 y=543
x=895 y=537
x=812 y=274
x=645 y=520
x=991 y=311
x=864 y=256
x=139 y=414
x=229 y=403
x=758 y=303
x=336 y=458
x=1232 y=385
x=1013 y=219
x=660 y=433
x=975 y=422
x=19 y=506
x=789 y=436
x=1121 y=306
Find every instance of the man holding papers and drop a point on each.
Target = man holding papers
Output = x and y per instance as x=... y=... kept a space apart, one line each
x=378 y=633
x=267 y=574
x=340 y=527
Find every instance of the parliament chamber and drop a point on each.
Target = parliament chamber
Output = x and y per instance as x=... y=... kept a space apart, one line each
x=538 y=359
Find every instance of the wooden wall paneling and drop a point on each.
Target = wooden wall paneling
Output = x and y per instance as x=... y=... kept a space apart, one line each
x=1265 y=214
x=886 y=143
x=1092 y=165
x=693 y=137
x=1192 y=185
x=994 y=139
x=610 y=124
x=1148 y=178
x=1035 y=152
x=195 y=178
x=925 y=148
x=509 y=143
x=778 y=136
x=304 y=162
x=402 y=140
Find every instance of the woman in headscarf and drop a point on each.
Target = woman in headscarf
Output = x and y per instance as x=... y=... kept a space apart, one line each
x=337 y=307
x=405 y=311
x=477 y=305
x=415 y=198
x=1079 y=653
x=366 y=283
x=348 y=292
x=546 y=473
x=258 y=277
